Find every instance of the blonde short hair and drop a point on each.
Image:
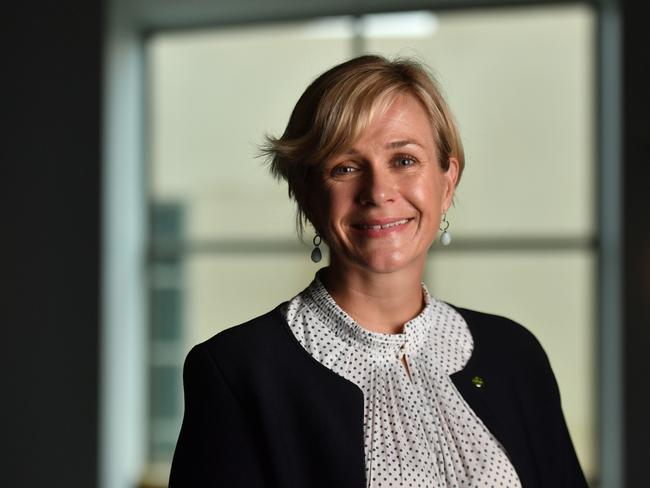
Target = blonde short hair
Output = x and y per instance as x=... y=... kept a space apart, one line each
x=336 y=108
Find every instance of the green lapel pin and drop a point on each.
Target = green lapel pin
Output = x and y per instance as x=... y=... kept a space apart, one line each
x=478 y=382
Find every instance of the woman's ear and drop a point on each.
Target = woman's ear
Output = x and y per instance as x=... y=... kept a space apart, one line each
x=310 y=207
x=450 y=179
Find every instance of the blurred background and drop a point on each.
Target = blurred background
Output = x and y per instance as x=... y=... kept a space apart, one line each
x=141 y=220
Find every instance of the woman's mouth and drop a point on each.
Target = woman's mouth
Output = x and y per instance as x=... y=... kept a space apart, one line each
x=382 y=226
x=377 y=228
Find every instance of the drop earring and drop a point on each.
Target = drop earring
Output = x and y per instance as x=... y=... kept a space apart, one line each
x=445 y=238
x=316 y=254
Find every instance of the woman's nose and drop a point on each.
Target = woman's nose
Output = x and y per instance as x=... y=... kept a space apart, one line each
x=377 y=186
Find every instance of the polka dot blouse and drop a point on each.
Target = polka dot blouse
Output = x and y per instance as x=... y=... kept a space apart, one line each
x=419 y=432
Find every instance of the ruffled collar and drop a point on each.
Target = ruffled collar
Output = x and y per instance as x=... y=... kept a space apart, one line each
x=415 y=335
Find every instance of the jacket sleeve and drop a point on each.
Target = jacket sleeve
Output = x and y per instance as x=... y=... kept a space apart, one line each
x=552 y=440
x=216 y=447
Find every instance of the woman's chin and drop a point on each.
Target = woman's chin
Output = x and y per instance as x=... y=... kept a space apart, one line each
x=389 y=262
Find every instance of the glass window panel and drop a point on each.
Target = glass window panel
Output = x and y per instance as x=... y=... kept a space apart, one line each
x=213 y=96
x=550 y=293
x=164 y=399
x=228 y=289
x=520 y=82
x=166 y=410
x=165 y=314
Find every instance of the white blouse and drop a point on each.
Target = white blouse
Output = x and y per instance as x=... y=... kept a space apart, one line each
x=419 y=431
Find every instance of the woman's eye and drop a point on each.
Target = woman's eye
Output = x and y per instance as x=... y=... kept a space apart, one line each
x=405 y=161
x=342 y=170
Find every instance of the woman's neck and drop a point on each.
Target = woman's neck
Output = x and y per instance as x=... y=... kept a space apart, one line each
x=379 y=302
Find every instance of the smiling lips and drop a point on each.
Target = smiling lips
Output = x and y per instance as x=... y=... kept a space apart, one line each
x=378 y=228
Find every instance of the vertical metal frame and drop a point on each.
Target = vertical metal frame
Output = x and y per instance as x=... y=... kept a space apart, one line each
x=610 y=282
x=122 y=440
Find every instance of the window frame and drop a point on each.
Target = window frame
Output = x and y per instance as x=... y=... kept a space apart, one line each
x=124 y=383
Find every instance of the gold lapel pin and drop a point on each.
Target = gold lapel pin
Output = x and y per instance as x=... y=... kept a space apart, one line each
x=478 y=382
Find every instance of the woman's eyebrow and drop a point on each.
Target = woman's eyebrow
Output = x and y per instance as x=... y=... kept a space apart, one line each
x=402 y=143
x=391 y=145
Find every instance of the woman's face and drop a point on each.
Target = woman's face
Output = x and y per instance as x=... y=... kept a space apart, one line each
x=380 y=202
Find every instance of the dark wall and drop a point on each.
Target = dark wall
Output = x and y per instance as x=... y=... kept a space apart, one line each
x=636 y=206
x=50 y=184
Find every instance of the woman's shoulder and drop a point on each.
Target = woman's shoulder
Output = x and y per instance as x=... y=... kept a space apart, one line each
x=507 y=352
x=255 y=338
x=499 y=337
x=258 y=349
x=489 y=325
x=259 y=354
x=241 y=355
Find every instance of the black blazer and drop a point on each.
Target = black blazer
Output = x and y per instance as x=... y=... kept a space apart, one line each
x=261 y=412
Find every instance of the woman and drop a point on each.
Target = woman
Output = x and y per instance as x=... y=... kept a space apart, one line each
x=364 y=379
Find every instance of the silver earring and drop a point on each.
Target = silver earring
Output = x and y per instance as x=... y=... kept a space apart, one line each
x=445 y=238
x=316 y=255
